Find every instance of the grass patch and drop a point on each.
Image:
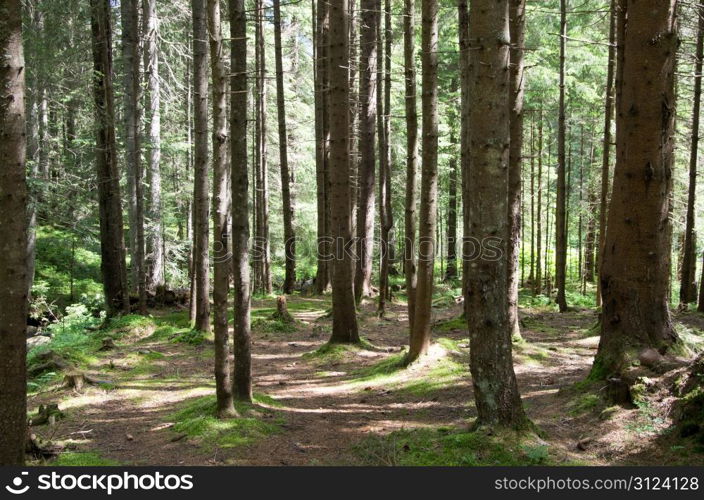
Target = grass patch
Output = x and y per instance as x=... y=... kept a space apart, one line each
x=81 y=459
x=443 y=447
x=584 y=404
x=270 y=325
x=197 y=420
x=451 y=325
x=335 y=352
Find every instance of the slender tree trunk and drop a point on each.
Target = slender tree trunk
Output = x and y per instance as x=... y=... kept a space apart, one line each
x=495 y=388
x=13 y=227
x=154 y=221
x=242 y=373
x=221 y=211
x=561 y=198
x=700 y=304
x=635 y=266
x=322 y=18
x=409 y=246
x=420 y=335
x=112 y=243
x=286 y=174
x=135 y=185
x=531 y=274
x=344 y=314
x=517 y=10
x=688 y=284
x=386 y=215
x=614 y=13
x=451 y=271
x=538 y=284
x=465 y=107
x=201 y=184
x=367 y=146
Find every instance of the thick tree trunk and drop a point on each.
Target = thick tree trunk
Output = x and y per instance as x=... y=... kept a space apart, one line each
x=688 y=284
x=420 y=335
x=409 y=245
x=495 y=389
x=201 y=184
x=112 y=243
x=286 y=174
x=517 y=10
x=385 y=210
x=154 y=222
x=221 y=211
x=367 y=146
x=561 y=196
x=634 y=273
x=13 y=227
x=614 y=14
x=344 y=314
x=242 y=373
x=135 y=184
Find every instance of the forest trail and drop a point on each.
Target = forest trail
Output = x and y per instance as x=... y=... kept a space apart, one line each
x=330 y=406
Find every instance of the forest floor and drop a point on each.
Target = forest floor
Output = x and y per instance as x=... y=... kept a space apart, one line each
x=151 y=401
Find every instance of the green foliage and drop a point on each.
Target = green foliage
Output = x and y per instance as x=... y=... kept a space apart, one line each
x=442 y=447
x=197 y=419
x=585 y=403
x=271 y=325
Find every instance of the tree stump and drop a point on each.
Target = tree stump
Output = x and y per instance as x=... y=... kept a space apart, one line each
x=282 y=313
x=108 y=344
x=46 y=413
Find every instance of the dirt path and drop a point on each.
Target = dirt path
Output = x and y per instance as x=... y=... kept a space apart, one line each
x=327 y=404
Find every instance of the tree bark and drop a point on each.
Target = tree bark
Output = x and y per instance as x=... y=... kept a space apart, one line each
x=517 y=10
x=201 y=184
x=465 y=108
x=242 y=373
x=344 y=314
x=420 y=335
x=688 y=284
x=385 y=210
x=561 y=195
x=221 y=212
x=135 y=184
x=409 y=246
x=367 y=146
x=13 y=227
x=495 y=390
x=538 y=283
x=286 y=173
x=614 y=13
x=156 y=258
x=112 y=243
x=635 y=265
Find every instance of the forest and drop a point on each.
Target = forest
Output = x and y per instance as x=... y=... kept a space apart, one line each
x=351 y=232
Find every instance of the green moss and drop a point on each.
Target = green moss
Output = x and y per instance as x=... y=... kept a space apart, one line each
x=197 y=420
x=450 y=325
x=442 y=447
x=82 y=459
x=270 y=325
x=585 y=403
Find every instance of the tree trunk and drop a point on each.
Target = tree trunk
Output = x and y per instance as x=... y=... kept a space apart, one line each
x=688 y=284
x=495 y=389
x=517 y=9
x=385 y=210
x=420 y=335
x=465 y=106
x=635 y=264
x=561 y=197
x=155 y=224
x=409 y=263
x=201 y=184
x=538 y=283
x=242 y=373
x=614 y=13
x=531 y=274
x=135 y=184
x=322 y=129
x=286 y=174
x=112 y=243
x=367 y=146
x=344 y=314
x=451 y=270
x=13 y=227
x=221 y=211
